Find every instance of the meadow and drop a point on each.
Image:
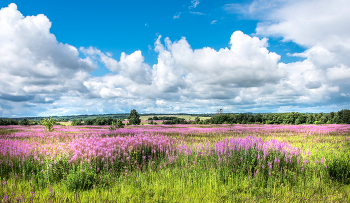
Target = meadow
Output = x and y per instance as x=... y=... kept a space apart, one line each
x=176 y=163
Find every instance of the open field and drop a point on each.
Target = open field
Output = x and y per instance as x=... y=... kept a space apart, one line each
x=176 y=163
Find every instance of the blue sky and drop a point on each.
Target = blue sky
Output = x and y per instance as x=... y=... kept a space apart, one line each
x=84 y=57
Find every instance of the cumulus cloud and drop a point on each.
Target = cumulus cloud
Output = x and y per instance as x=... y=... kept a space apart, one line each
x=183 y=72
x=32 y=62
x=339 y=73
x=244 y=76
x=130 y=66
x=320 y=26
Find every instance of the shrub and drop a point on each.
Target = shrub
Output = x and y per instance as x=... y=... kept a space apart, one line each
x=81 y=178
x=116 y=124
x=339 y=169
x=48 y=123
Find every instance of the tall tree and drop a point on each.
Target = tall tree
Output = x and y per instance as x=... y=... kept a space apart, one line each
x=134 y=117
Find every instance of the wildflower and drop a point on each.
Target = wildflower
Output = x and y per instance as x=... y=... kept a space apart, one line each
x=321 y=160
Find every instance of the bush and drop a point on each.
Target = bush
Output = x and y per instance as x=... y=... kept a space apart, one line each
x=24 y=121
x=48 y=123
x=81 y=178
x=339 y=169
x=76 y=122
x=116 y=124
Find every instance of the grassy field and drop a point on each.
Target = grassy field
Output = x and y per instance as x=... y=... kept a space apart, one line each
x=180 y=163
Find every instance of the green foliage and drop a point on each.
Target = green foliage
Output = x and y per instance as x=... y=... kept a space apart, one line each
x=297 y=118
x=76 y=122
x=116 y=124
x=175 y=120
x=8 y=122
x=48 y=123
x=134 y=117
x=344 y=116
x=339 y=169
x=24 y=121
x=197 y=119
x=81 y=178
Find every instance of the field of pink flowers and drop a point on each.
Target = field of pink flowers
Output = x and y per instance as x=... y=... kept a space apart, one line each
x=83 y=158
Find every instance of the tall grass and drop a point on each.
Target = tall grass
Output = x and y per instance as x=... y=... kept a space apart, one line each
x=256 y=163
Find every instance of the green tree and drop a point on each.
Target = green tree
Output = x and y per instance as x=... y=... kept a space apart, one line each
x=310 y=119
x=116 y=124
x=76 y=122
x=258 y=118
x=24 y=121
x=48 y=123
x=197 y=119
x=134 y=117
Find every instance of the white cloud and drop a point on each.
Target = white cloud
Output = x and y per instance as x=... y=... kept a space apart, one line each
x=197 y=13
x=194 y=4
x=31 y=59
x=213 y=22
x=323 y=28
x=339 y=73
x=177 y=15
x=184 y=74
x=35 y=68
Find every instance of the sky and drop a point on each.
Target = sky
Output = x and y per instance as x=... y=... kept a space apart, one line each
x=187 y=56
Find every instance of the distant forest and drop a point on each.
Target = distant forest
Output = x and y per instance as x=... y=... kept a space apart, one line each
x=340 y=117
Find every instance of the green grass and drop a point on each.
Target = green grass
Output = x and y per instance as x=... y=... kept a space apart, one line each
x=183 y=182
x=171 y=186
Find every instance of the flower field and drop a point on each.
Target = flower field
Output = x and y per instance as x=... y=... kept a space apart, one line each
x=175 y=163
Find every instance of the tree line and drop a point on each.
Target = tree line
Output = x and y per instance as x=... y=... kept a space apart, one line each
x=340 y=117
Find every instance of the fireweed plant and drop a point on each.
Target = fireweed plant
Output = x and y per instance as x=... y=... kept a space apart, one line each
x=229 y=162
